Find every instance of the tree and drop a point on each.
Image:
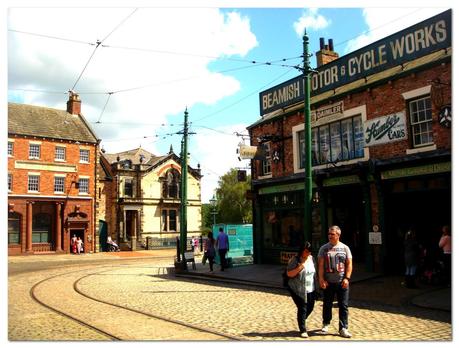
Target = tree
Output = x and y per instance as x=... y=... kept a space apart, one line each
x=232 y=205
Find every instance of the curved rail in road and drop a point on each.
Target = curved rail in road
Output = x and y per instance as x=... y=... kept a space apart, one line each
x=71 y=296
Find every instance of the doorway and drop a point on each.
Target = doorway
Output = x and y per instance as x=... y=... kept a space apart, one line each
x=78 y=232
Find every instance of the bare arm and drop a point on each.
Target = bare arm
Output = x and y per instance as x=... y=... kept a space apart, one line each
x=322 y=282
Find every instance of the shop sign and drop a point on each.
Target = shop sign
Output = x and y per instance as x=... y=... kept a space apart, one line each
x=414 y=171
x=375 y=238
x=414 y=42
x=342 y=180
x=285 y=256
x=328 y=111
x=247 y=151
x=283 y=188
x=385 y=129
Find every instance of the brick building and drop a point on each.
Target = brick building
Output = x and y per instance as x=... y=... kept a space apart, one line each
x=380 y=146
x=52 y=156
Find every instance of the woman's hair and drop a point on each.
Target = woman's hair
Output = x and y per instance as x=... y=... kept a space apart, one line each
x=306 y=246
x=210 y=235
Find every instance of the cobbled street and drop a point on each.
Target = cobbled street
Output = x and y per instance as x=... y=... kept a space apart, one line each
x=186 y=309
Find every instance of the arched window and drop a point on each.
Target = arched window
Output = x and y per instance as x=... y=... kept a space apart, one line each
x=41 y=228
x=171 y=184
x=14 y=228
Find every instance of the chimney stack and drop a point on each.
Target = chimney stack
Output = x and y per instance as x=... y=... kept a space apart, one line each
x=74 y=103
x=326 y=54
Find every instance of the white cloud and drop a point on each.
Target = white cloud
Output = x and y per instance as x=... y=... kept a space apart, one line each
x=383 y=22
x=218 y=155
x=148 y=84
x=311 y=19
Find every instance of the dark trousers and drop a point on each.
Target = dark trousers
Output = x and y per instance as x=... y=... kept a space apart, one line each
x=304 y=308
x=343 y=303
x=211 y=262
x=222 y=254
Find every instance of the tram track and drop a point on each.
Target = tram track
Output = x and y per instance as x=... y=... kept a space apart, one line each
x=71 y=302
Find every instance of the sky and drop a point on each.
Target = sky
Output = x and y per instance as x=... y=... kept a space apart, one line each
x=139 y=65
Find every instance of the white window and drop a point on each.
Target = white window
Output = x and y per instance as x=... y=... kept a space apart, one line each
x=266 y=163
x=10 y=182
x=83 y=185
x=33 y=184
x=59 y=184
x=421 y=121
x=34 y=151
x=84 y=155
x=10 y=148
x=59 y=154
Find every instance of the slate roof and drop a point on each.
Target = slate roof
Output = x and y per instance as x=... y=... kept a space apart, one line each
x=45 y=122
x=133 y=156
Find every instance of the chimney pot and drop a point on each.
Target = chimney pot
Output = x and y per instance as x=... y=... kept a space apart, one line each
x=322 y=43
x=74 y=103
x=330 y=44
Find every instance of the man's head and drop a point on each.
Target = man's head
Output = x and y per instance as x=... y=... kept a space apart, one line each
x=220 y=229
x=334 y=233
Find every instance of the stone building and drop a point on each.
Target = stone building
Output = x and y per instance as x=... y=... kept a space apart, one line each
x=380 y=147
x=145 y=198
x=52 y=156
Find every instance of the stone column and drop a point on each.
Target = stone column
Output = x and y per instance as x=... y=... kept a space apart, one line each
x=58 y=227
x=134 y=231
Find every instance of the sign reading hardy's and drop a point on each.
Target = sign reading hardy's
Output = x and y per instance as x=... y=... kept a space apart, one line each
x=416 y=41
x=385 y=129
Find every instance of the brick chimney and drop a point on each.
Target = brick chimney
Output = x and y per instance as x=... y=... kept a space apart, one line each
x=74 y=103
x=326 y=53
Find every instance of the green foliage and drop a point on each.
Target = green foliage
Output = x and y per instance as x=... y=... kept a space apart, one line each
x=232 y=205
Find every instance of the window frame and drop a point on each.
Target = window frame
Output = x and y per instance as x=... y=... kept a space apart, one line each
x=57 y=155
x=10 y=148
x=83 y=158
x=30 y=183
x=56 y=178
x=266 y=164
x=166 y=220
x=10 y=182
x=34 y=151
x=83 y=188
x=415 y=124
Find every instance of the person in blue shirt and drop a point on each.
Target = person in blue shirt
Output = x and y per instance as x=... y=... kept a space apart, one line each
x=223 y=247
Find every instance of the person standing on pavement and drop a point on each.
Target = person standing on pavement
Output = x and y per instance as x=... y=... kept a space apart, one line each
x=73 y=244
x=335 y=270
x=445 y=244
x=223 y=247
x=412 y=252
x=301 y=271
x=210 y=250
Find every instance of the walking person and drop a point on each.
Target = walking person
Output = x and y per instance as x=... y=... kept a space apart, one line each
x=210 y=250
x=411 y=253
x=335 y=270
x=301 y=271
x=445 y=244
x=223 y=247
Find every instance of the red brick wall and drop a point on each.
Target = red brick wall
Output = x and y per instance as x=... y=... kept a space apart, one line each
x=380 y=101
x=47 y=153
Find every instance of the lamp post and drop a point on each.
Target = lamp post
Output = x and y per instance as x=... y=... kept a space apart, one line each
x=213 y=203
x=307 y=142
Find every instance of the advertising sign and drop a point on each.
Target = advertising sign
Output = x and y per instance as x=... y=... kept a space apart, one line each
x=421 y=39
x=385 y=129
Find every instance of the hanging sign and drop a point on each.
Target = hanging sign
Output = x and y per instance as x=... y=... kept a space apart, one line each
x=247 y=151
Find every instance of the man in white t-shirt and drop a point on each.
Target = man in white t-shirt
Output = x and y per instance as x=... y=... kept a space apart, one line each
x=335 y=270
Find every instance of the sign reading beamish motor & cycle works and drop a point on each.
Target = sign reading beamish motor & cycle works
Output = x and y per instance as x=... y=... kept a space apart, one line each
x=385 y=129
x=416 y=41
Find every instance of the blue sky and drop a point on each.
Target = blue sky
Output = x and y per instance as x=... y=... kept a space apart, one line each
x=158 y=61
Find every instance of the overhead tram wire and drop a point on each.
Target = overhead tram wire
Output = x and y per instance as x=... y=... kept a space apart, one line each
x=98 y=43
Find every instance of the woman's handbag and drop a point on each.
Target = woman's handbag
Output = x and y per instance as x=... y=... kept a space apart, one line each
x=204 y=258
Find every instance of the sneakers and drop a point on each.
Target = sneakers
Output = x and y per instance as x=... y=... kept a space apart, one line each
x=324 y=329
x=345 y=333
x=304 y=334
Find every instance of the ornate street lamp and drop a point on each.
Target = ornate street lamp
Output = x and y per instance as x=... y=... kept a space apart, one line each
x=213 y=203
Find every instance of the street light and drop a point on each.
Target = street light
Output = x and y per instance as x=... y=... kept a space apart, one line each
x=213 y=203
